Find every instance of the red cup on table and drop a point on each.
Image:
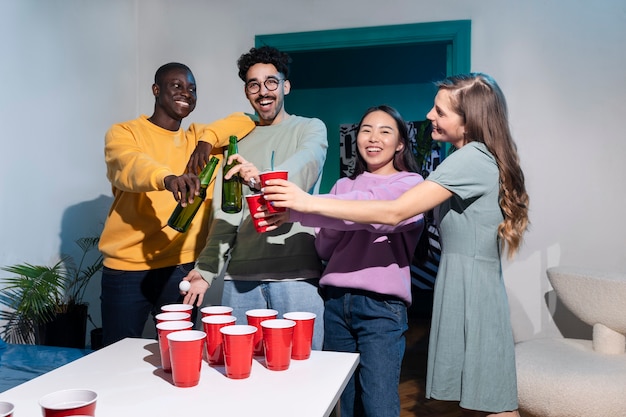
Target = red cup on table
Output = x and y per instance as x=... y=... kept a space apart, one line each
x=254 y=202
x=172 y=316
x=302 y=333
x=272 y=175
x=69 y=402
x=186 y=347
x=277 y=340
x=185 y=308
x=163 y=329
x=238 y=342
x=6 y=409
x=214 y=339
x=255 y=317
x=216 y=311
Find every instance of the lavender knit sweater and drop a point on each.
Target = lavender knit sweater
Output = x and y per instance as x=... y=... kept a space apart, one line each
x=371 y=257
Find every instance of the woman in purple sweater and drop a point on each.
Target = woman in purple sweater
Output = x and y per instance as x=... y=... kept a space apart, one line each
x=367 y=283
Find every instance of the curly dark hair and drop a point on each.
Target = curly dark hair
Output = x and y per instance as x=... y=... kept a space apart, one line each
x=264 y=55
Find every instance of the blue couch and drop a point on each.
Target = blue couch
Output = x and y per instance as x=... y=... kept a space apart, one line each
x=20 y=363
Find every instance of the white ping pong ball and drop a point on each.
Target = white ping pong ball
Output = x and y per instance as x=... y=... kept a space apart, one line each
x=184 y=286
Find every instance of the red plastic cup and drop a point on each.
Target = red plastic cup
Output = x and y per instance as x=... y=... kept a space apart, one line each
x=277 y=340
x=272 y=175
x=185 y=308
x=238 y=343
x=69 y=402
x=163 y=329
x=172 y=316
x=214 y=339
x=216 y=310
x=254 y=202
x=6 y=409
x=302 y=333
x=186 y=347
x=255 y=317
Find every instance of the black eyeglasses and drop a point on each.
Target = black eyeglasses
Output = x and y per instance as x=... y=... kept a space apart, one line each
x=253 y=87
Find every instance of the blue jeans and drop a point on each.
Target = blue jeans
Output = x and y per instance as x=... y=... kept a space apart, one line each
x=372 y=325
x=282 y=296
x=129 y=297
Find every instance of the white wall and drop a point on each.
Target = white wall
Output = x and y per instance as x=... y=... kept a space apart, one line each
x=73 y=67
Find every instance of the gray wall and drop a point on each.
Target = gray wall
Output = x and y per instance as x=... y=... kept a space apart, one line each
x=71 y=68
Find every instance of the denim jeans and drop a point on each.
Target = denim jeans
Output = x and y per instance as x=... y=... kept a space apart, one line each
x=129 y=297
x=374 y=326
x=282 y=296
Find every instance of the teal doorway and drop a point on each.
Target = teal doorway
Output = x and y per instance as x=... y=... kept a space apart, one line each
x=337 y=74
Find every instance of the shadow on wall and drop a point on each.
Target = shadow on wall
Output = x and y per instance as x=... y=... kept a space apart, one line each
x=85 y=219
x=520 y=322
x=569 y=325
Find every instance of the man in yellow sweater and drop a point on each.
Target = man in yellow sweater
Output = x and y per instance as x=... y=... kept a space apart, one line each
x=152 y=164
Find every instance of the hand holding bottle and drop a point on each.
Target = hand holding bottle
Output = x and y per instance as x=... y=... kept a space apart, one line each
x=184 y=188
x=198 y=158
x=184 y=213
x=231 y=187
x=248 y=173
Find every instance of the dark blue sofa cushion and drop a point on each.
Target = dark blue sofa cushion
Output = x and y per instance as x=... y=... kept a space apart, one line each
x=20 y=363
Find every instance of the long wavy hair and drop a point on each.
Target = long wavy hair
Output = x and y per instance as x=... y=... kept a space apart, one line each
x=477 y=98
x=403 y=160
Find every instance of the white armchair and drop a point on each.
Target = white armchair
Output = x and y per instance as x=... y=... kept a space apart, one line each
x=563 y=377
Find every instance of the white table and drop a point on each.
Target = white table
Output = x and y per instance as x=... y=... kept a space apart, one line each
x=129 y=382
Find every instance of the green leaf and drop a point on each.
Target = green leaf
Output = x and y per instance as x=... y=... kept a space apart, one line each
x=36 y=293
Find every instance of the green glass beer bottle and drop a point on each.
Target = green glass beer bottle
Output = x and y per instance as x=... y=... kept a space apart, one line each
x=231 y=188
x=181 y=217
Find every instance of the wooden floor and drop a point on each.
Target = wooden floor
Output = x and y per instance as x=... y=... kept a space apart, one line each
x=413 y=376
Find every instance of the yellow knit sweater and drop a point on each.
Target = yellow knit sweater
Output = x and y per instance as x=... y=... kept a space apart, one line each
x=139 y=155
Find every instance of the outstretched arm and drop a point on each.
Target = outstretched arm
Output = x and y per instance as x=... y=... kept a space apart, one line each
x=423 y=197
x=214 y=136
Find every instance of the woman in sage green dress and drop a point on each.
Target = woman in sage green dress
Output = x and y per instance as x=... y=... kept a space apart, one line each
x=483 y=210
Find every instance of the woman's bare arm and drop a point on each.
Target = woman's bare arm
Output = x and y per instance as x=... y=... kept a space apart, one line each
x=418 y=199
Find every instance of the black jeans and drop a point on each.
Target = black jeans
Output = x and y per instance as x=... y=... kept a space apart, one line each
x=129 y=297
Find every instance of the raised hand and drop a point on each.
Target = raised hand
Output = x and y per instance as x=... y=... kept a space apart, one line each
x=287 y=194
x=272 y=220
x=195 y=294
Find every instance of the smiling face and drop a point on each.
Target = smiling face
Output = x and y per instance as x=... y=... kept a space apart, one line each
x=448 y=126
x=269 y=105
x=175 y=95
x=378 y=140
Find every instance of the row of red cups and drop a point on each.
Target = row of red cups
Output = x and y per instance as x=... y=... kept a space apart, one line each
x=229 y=344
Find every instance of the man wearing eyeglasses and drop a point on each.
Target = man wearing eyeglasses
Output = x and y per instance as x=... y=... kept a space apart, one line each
x=279 y=269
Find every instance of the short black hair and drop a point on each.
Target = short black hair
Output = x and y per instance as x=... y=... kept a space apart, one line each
x=164 y=69
x=264 y=55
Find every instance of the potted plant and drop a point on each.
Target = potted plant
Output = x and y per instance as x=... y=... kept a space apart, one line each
x=45 y=303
